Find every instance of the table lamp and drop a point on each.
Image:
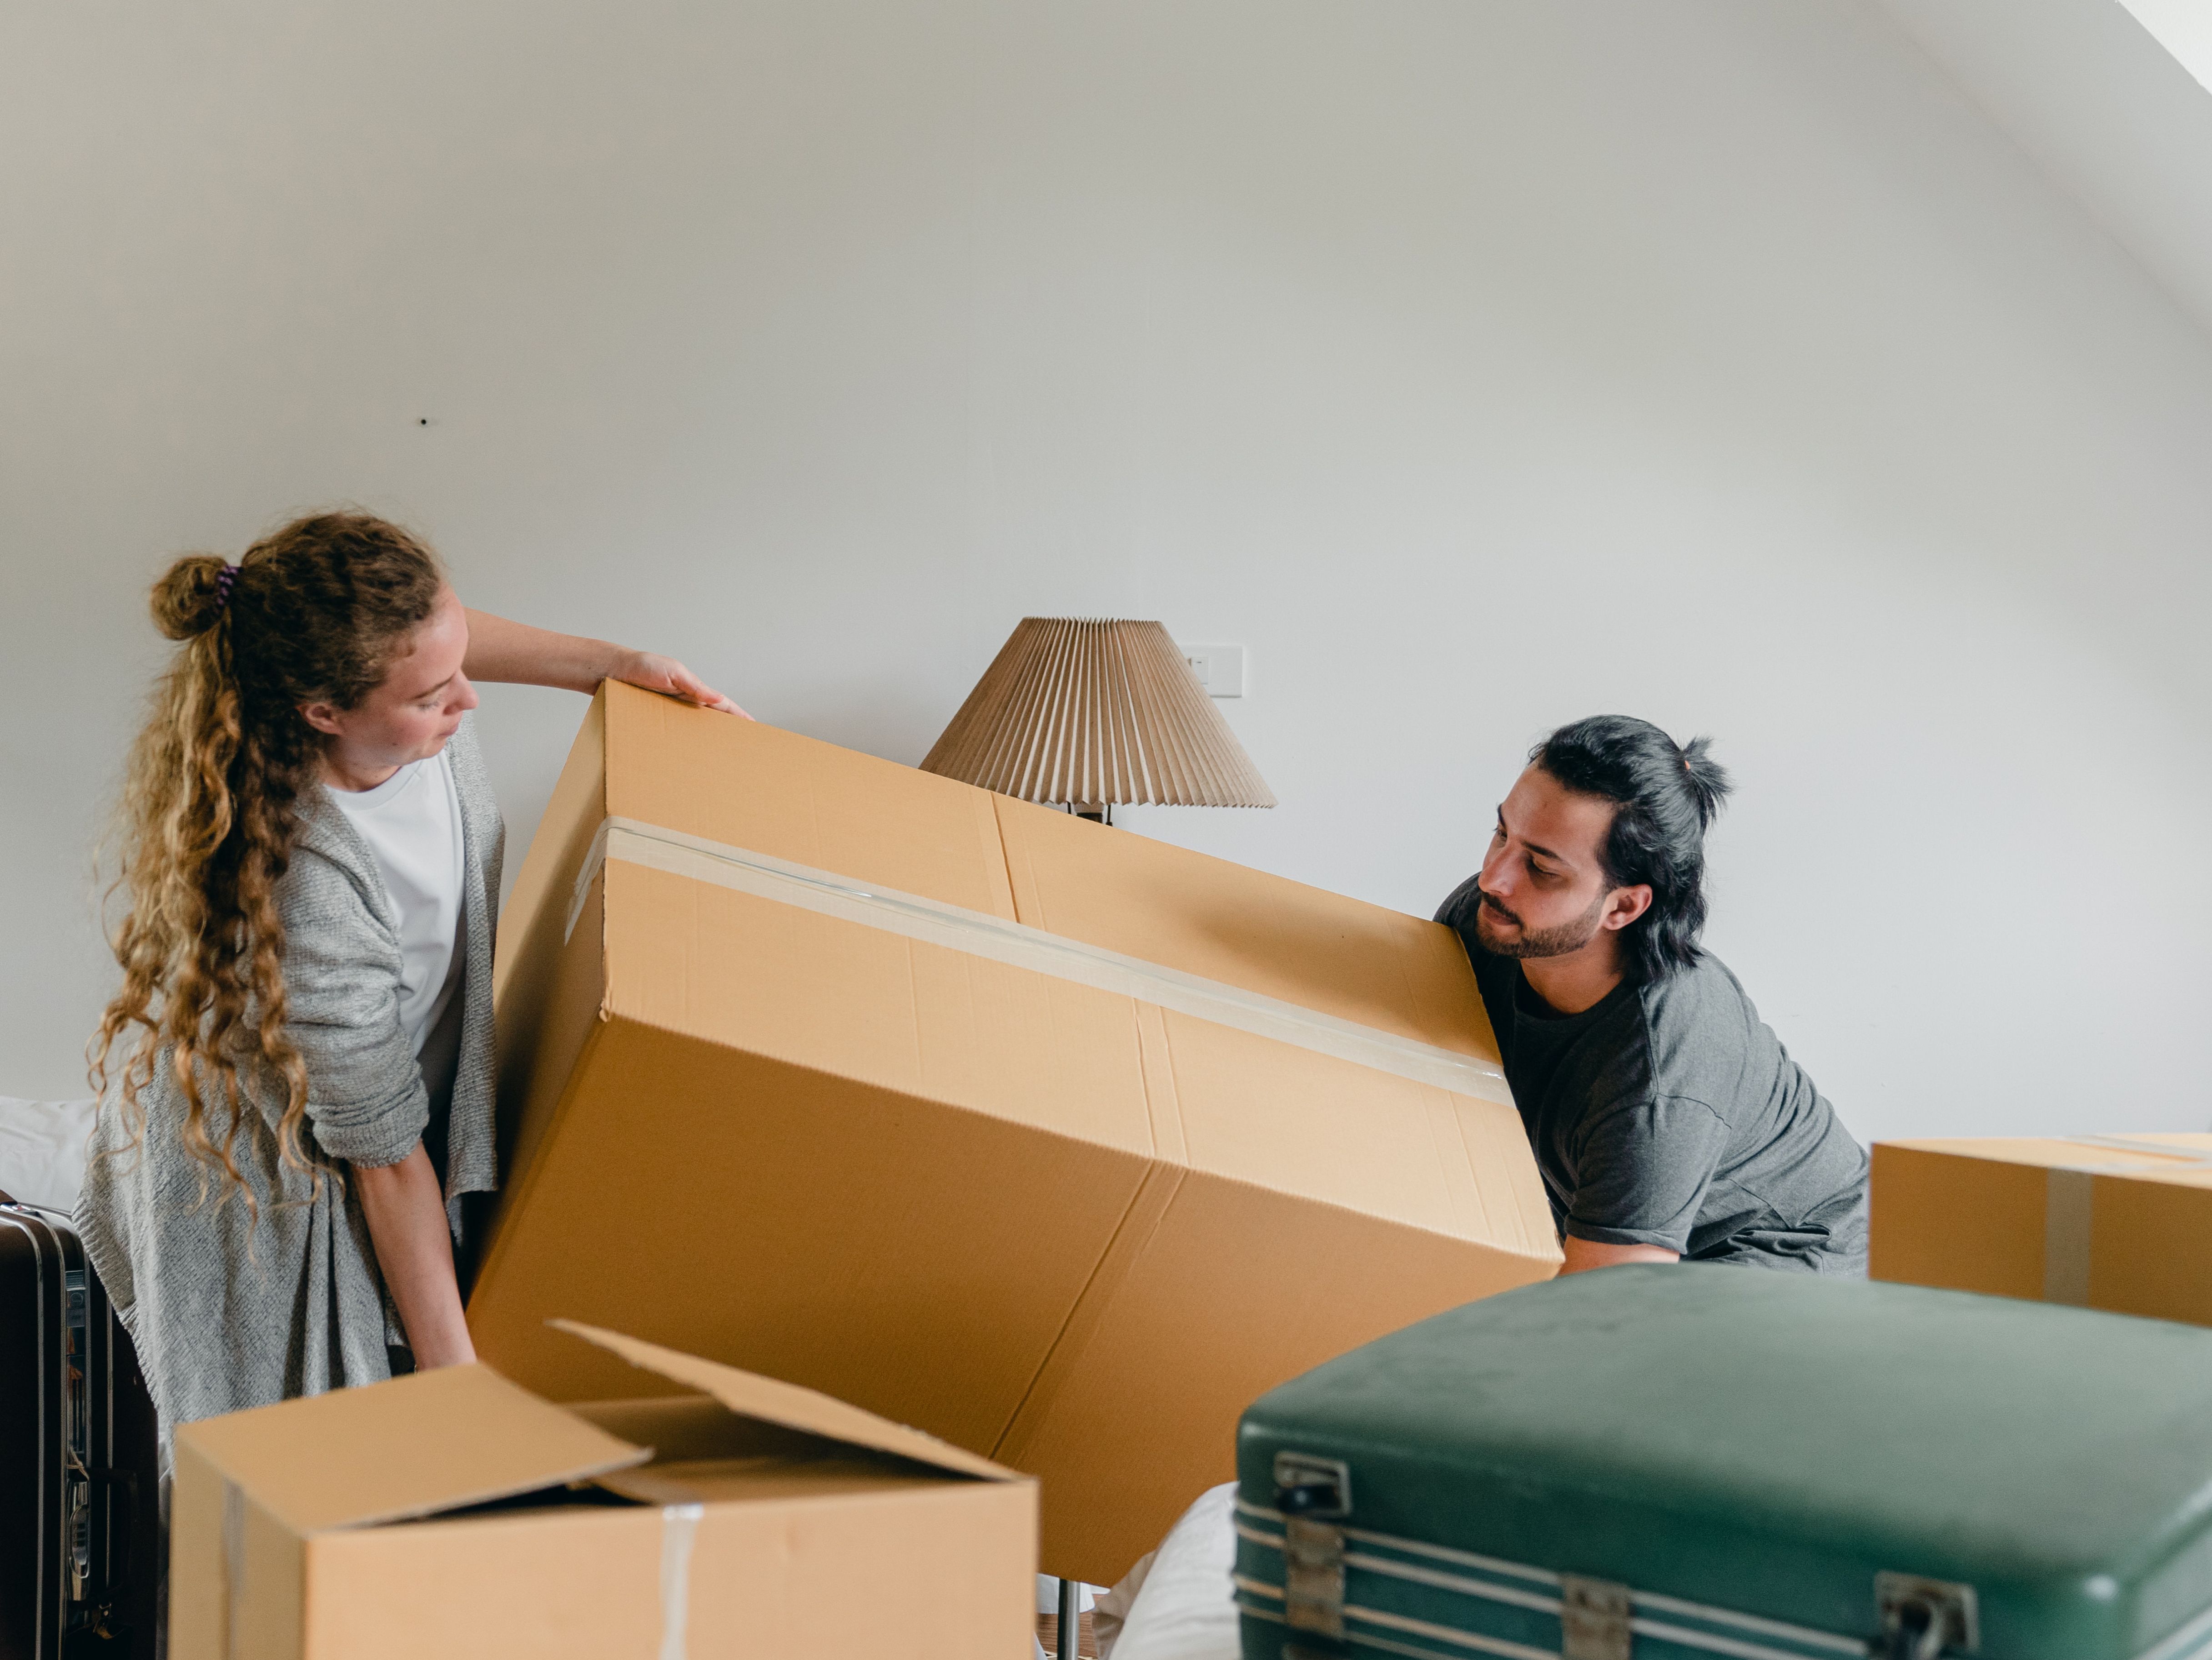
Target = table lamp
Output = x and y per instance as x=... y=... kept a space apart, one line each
x=1094 y=713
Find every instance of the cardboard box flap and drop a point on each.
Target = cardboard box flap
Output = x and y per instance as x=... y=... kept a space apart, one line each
x=750 y=1396
x=795 y=797
x=435 y=1441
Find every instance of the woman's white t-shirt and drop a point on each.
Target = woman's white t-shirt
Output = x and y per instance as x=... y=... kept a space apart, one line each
x=412 y=824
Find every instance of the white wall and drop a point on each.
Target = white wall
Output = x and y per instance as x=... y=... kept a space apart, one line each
x=1478 y=365
x=2117 y=116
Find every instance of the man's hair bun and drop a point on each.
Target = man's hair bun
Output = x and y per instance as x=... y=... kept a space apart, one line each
x=1710 y=783
x=188 y=600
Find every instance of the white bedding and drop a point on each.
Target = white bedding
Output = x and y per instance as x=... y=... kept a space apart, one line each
x=42 y=1150
x=1175 y=1605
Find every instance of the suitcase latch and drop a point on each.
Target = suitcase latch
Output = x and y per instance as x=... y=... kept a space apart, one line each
x=1316 y=1488
x=1594 y=1616
x=1314 y=1494
x=1922 y=1618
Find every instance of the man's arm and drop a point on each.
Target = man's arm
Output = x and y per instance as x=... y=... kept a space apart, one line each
x=514 y=652
x=1644 y=1164
x=406 y=1217
x=1583 y=1255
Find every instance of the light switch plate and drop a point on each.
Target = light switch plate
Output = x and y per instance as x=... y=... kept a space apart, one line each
x=1219 y=668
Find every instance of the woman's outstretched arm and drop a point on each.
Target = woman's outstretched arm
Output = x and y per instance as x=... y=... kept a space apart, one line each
x=406 y=1217
x=515 y=652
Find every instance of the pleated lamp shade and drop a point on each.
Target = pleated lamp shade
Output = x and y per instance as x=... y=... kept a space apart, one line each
x=1094 y=713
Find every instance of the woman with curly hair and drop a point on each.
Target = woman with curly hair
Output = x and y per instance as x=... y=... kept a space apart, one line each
x=296 y=1076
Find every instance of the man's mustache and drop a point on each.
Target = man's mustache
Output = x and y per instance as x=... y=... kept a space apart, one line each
x=1495 y=908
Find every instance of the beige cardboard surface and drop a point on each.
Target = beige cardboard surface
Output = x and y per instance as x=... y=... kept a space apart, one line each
x=1188 y=1318
x=752 y=1548
x=1057 y=1226
x=717 y=1481
x=1378 y=968
x=750 y=1396
x=955 y=1235
x=2117 y=1222
x=1017 y=945
x=431 y=1441
x=686 y=1428
x=753 y=786
x=940 y=1572
x=237 y=1576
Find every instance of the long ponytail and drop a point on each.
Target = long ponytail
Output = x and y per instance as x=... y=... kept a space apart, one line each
x=210 y=807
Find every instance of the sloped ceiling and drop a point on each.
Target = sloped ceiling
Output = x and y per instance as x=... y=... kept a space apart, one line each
x=2184 y=27
x=2112 y=113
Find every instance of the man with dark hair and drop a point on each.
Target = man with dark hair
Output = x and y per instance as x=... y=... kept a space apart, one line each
x=1666 y=1118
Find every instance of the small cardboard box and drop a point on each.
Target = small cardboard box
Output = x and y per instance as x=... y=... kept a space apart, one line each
x=1057 y=1141
x=435 y=1516
x=2117 y=1222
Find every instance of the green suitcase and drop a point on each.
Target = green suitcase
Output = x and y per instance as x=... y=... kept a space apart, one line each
x=1689 y=1461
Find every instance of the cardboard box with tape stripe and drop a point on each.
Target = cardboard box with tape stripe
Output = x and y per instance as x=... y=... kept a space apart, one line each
x=452 y=1515
x=1051 y=1140
x=2117 y=1222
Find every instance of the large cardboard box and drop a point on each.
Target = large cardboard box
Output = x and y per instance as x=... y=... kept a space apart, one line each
x=1055 y=1141
x=2117 y=1222
x=454 y=1514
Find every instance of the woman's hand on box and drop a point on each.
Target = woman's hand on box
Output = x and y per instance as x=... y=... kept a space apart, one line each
x=500 y=649
x=666 y=675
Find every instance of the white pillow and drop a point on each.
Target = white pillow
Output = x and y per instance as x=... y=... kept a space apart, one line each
x=1180 y=1606
x=42 y=1150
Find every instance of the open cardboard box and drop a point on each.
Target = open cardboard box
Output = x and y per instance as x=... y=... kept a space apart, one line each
x=2116 y=1223
x=1059 y=1142
x=454 y=1513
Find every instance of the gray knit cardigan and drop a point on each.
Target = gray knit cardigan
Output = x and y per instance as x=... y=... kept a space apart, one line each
x=227 y=1315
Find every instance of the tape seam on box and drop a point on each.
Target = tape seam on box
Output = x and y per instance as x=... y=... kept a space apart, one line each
x=2069 y=1198
x=234 y=1566
x=680 y=1530
x=1019 y=946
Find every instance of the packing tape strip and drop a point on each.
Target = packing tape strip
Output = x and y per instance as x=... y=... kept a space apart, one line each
x=234 y=1566
x=2068 y=1205
x=1020 y=946
x=2070 y=1199
x=679 y=1529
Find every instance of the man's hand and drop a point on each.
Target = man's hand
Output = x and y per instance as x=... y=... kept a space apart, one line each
x=1583 y=1255
x=666 y=675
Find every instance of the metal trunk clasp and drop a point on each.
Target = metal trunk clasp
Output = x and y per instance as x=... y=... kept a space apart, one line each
x=1315 y=1496
x=1922 y=1618
x=1594 y=1619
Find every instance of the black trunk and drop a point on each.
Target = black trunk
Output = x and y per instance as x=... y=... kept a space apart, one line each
x=80 y=1527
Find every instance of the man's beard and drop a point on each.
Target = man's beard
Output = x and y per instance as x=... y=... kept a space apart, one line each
x=1537 y=942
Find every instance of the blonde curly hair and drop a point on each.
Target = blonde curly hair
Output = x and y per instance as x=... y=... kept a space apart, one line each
x=211 y=805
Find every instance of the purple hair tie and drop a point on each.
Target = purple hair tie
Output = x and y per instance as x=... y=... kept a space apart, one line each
x=223 y=579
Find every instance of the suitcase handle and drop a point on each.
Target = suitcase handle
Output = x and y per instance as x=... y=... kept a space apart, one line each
x=1916 y=1631
x=1922 y=1617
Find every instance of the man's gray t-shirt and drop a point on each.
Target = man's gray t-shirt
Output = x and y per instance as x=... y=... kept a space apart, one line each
x=1669 y=1114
